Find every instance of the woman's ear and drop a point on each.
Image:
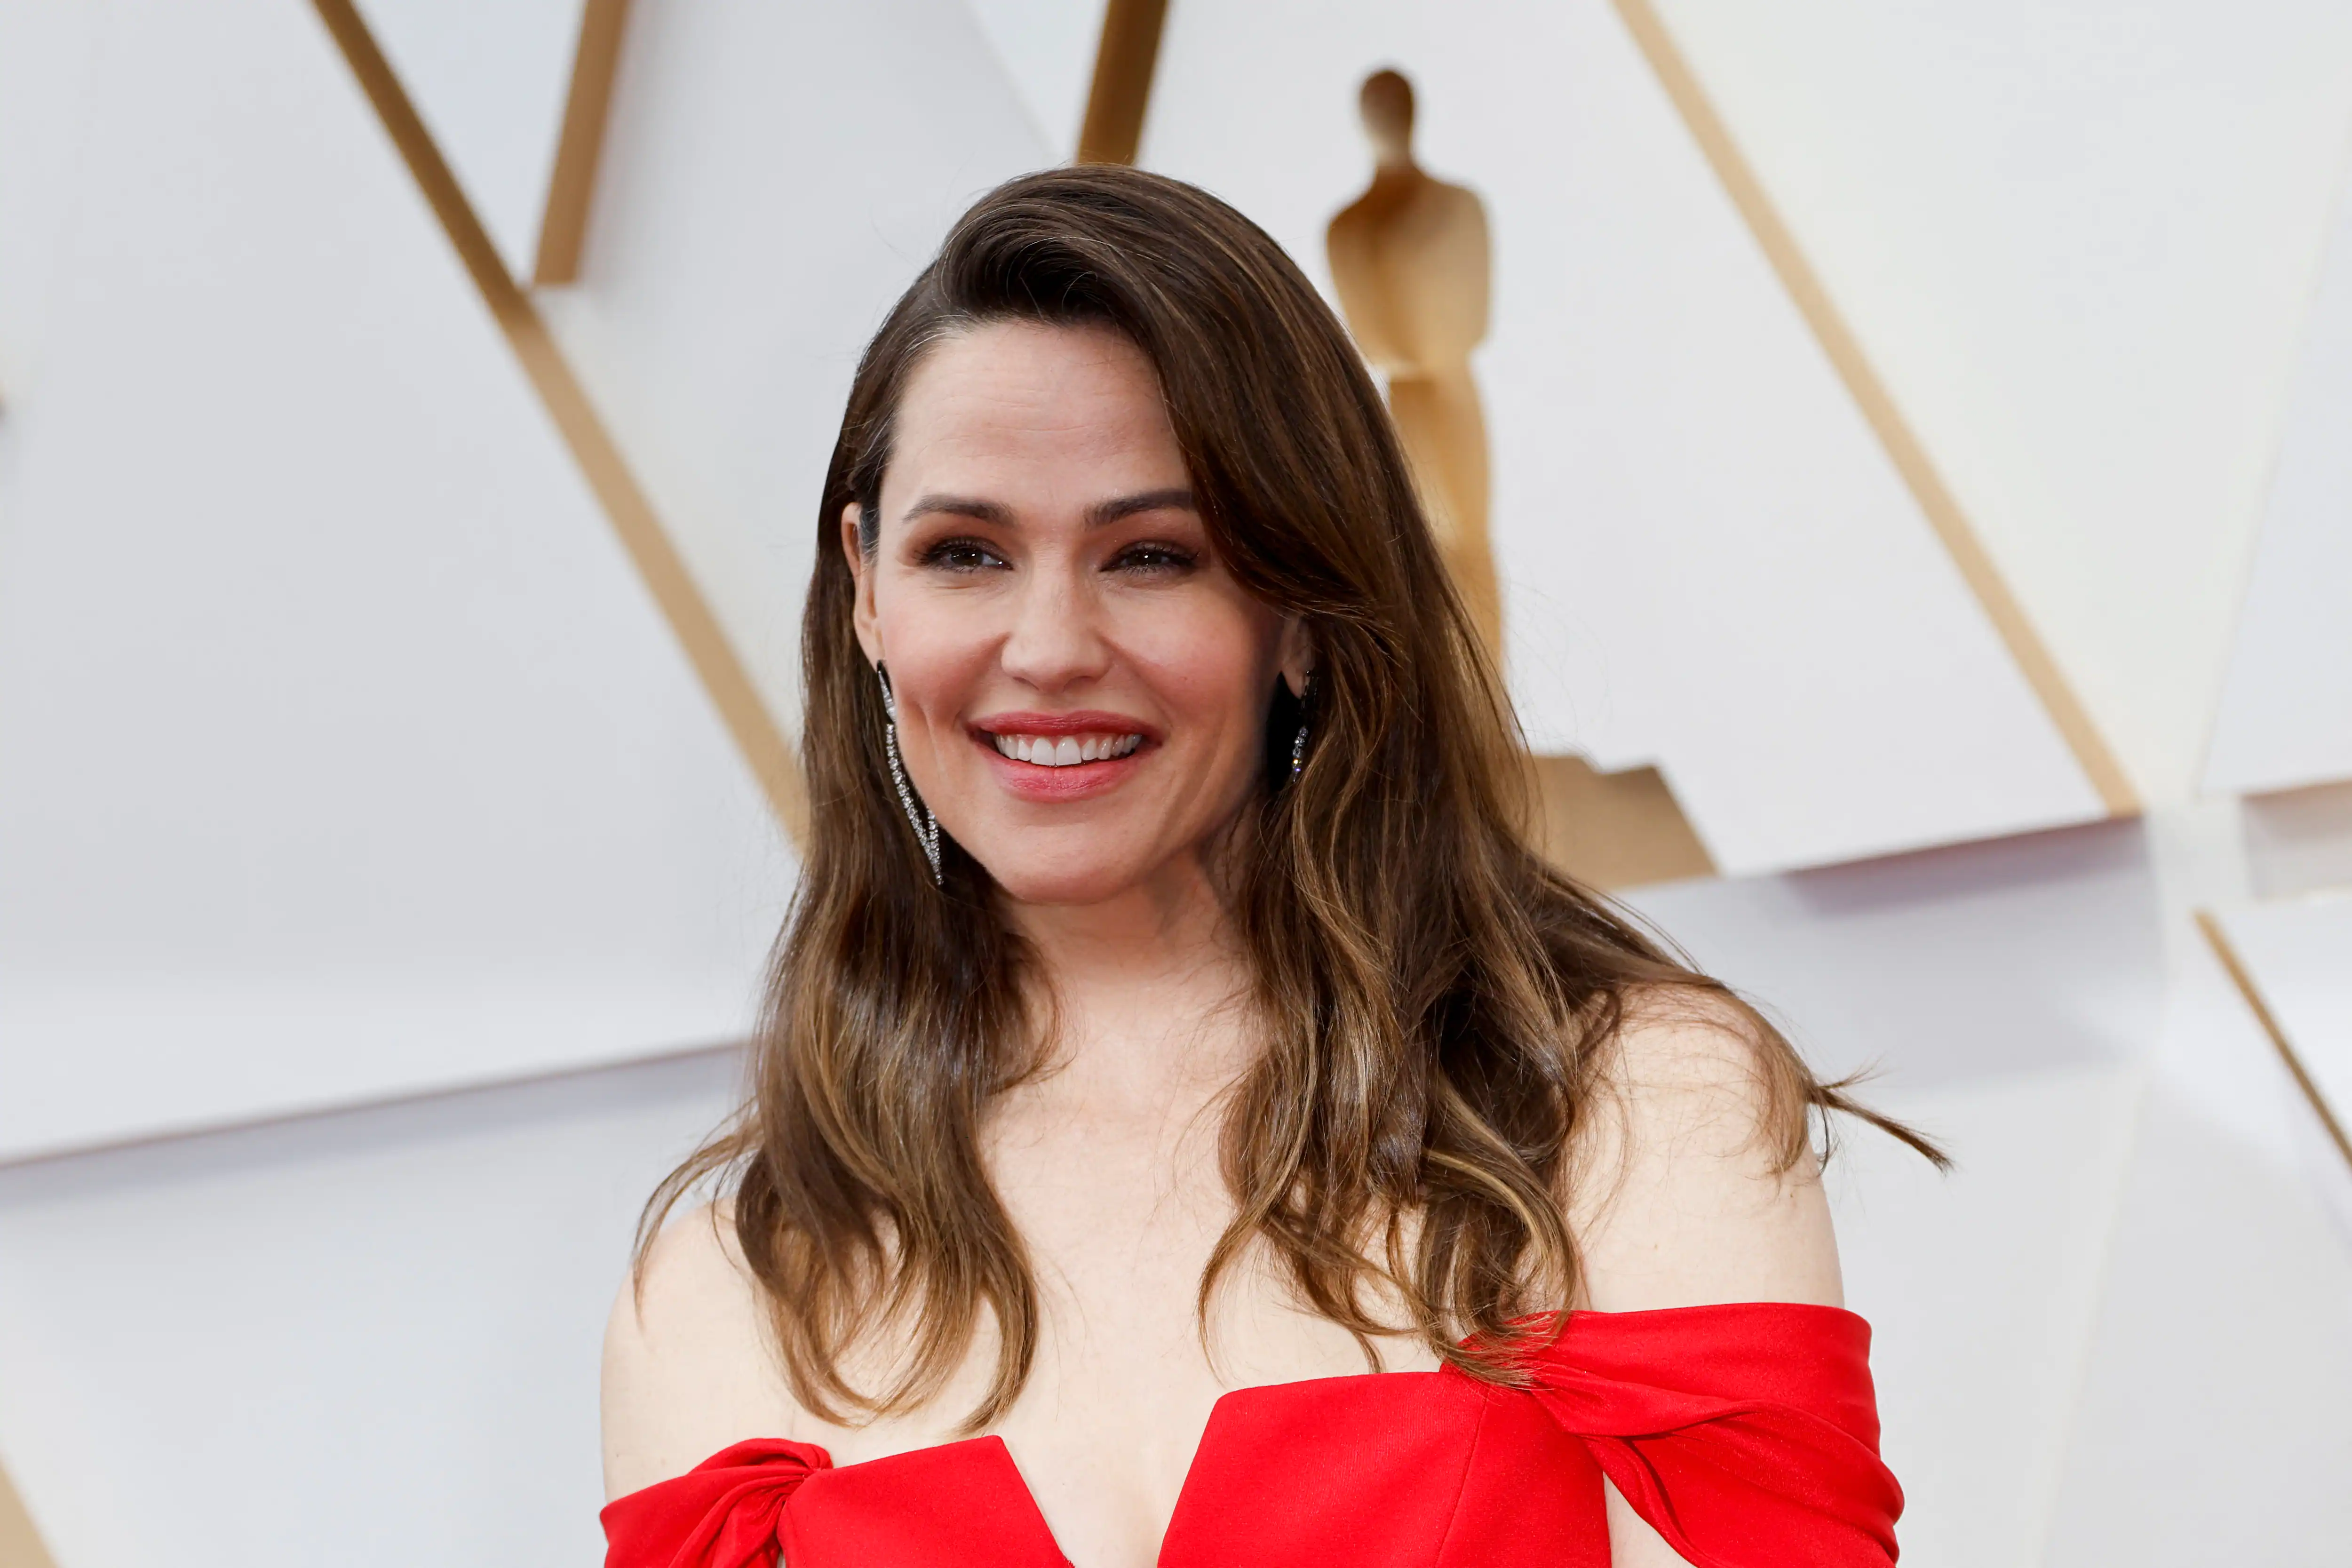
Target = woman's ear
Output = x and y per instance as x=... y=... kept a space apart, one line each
x=1296 y=654
x=869 y=634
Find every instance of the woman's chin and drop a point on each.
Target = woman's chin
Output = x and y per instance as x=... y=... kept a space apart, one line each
x=1075 y=888
x=1069 y=875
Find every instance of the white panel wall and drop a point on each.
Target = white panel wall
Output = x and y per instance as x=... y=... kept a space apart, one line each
x=1048 y=48
x=1983 y=1288
x=2298 y=841
x=2078 y=239
x=746 y=238
x=45 y=55
x=342 y=751
x=1709 y=561
x=2285 y=714
x=2208 y=1425
x=370 y=1339
x=1953 y=966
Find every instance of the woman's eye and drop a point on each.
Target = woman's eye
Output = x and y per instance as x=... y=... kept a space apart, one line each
x=961 y=555
x=1154 y=560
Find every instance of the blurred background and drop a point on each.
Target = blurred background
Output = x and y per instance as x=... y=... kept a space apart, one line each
x=1910 y=447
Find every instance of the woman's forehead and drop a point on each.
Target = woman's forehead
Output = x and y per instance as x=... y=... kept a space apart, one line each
x=1026 y=405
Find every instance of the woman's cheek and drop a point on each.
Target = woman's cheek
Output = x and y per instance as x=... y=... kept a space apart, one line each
x=1207 y=663
x=937 y=648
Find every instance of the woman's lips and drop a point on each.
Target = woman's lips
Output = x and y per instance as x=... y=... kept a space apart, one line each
x=1056 y=781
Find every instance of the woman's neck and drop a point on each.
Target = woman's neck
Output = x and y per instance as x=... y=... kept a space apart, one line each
x=1148 y=989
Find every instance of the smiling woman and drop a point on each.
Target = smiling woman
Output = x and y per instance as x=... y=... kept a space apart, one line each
x=1035 y=543
x=1190 y=1124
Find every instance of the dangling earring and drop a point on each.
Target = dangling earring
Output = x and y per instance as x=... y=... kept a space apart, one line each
x=1298 y=745
x=926 y=825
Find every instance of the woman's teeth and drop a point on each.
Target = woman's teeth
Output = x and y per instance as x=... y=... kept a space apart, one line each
x=1064 y=751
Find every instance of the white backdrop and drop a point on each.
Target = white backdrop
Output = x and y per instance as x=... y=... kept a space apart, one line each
x=2078 y=238
x=2285 y=714
x=342 y=751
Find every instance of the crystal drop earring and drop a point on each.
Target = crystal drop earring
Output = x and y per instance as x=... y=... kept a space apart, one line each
x=918 y=816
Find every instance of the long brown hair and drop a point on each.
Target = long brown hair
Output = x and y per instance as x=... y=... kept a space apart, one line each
x=1436 y=1000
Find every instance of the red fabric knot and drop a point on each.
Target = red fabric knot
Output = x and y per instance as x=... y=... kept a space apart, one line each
x=723 y=1513
x=1747 y=1435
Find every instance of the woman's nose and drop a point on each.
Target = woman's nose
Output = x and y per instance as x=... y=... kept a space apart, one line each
x=1056 y=638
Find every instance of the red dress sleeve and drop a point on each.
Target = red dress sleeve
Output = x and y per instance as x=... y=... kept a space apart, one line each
x=1746 y=1434
x=721 y=1514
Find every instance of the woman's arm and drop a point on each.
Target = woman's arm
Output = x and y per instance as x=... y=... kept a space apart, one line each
x=687 y=1368
x=1680 y=1201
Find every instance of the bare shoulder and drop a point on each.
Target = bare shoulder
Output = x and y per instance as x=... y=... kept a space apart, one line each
x=1684 y=1192
x=688 y=1363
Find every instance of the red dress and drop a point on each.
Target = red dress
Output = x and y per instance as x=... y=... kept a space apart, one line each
x=1746 y=1434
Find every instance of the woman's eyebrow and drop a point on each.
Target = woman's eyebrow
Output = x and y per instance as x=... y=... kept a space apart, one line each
x=961 y=506
x=1174 y=498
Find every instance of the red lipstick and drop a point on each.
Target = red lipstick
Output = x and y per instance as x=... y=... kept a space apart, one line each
x=1077 y=781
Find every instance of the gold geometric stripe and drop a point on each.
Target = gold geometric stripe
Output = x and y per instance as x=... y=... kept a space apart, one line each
x=1910 y=459
x=2244 y=980
x=563 y=225
x=1125 y=59
x=632 y=516
x=20 y=1543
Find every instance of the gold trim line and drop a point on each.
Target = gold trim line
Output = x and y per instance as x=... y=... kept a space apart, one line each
x=2243 y=978
x=1120 y=91
x=572 y=184
x=714 y=658
x=20 y=1543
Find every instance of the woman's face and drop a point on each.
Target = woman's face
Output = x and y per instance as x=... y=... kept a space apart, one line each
x=1081 y=685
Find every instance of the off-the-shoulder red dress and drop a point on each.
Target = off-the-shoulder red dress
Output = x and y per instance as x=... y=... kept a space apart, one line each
x=1746 y=1434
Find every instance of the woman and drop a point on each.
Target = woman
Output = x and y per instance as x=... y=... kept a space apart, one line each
x=1190 y=1124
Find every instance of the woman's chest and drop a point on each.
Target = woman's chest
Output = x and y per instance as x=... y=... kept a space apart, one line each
x=1124 y=1380
x=1118 y=1408
x=1119 y=1228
